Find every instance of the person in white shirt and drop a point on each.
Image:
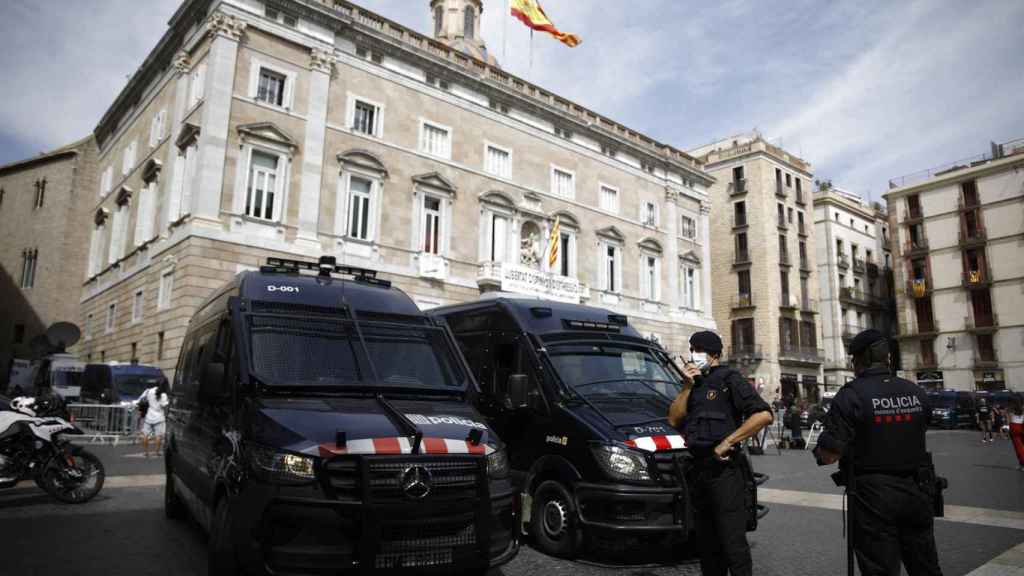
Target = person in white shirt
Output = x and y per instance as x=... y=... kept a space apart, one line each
x=154 y=421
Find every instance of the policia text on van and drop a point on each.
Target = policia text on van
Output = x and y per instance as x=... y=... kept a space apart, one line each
x=321 y=425
x=582 y=399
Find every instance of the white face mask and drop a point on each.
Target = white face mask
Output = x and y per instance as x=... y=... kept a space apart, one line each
x=700 y=359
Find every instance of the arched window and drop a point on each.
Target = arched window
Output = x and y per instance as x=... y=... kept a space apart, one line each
x=469 y=22
x=438 y=15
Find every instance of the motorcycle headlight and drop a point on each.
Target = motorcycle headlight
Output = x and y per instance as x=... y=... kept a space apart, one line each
x=622 y=463
x=281 y=467
x=497 y=464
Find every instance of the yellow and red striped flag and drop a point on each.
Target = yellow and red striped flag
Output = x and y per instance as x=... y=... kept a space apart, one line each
x=531 y=14
x=553 y=243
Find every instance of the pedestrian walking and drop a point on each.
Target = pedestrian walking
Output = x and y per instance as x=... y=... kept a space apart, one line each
x=876 y=430
x=984 y=419
x=1016 y=419
x=999 y=422
x=796 y=428
x=716 y=410
x=151 y=406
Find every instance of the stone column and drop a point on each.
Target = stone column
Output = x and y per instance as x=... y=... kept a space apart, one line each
x=705 y=261
x=321 y=63
x=213 y=137
x=672 y=248
x=168 y=181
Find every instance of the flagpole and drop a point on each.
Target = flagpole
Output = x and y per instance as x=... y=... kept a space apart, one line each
x=531 y=53
x=504 y=34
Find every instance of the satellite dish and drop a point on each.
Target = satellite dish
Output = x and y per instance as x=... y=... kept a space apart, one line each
x=61 y=335
x=40 y=346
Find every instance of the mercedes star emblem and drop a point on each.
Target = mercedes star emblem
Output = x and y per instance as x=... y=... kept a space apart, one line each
x=415 y=482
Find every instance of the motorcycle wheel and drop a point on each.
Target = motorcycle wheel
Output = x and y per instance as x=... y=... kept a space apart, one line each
x=74 y=478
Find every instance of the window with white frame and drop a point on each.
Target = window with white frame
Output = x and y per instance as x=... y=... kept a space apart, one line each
x=566 y=265
x=360 y=193
x=197 y=87
x=688 y=228
x=610 y=267
x=366 y=117
x=650 y=277
x=270 y=88
x=29 y=258
x=95 y=249
x=499 y=230
x=137 y=303
x=563 y=183
x=117 y=233
x=156 y=128
x=435 y=140
x=431 y=225
x=111 y=316
x=609 y=200
x=88 y=326
x=498 y=161
x=262 y=186
x=144 y=217
x=649 y=213
x=107 y=181
x=690 y=285
x=128 y=159
x=166 y=288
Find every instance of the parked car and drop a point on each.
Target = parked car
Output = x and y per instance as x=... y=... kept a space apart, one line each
x=952 y=409
x=117 y=383
x=323 y=425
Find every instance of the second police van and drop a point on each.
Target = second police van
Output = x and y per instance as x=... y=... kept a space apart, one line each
x=582 y=401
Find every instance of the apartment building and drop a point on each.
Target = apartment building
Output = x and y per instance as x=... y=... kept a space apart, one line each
x=45 y=202
x=854 y=274
x=764 y=279
x=960 y=274
x=303 y=127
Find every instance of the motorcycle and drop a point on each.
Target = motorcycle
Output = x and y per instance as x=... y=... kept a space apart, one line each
x=33 y=447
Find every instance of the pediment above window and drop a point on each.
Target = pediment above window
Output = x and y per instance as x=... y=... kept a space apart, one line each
x=611 y=232
x=650 y=245
x=266 y=132
x=497 y=198
x=151 y=170
x=188 y=135
x=566 y=218
x=364 y=159
x=434 y=181
x=691 y=257
x=101 y=216
x=124 y=196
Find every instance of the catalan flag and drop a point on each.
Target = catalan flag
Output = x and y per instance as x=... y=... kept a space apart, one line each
x=531 y=14
x=553 y=243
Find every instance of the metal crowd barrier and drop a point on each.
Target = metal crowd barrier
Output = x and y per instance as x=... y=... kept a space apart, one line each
x=106 y=423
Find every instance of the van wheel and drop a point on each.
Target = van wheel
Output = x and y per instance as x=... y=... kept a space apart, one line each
x=174 y=508
x=222 y=557
x=554 y=523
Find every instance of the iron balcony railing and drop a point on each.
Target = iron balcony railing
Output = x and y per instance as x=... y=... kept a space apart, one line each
x=780 y=191
x=742 y=257
x=786 y=300
x=740 y=301
x=808 y=304
x=917 y=287
x=746 y=352
x=738 y=187
x=802 y=354
x=858 y=266
x=842 y=261
x=987 y=321
x=979 y=278
x=976 y=235
x=739 y=219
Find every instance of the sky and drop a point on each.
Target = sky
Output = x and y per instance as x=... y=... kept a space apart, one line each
x=864 y=90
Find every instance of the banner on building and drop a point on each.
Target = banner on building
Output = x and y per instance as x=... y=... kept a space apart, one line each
x=524 y=280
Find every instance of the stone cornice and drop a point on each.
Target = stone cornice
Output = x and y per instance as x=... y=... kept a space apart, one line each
x=226 y=25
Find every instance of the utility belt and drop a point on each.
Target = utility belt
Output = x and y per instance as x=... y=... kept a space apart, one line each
x=930 y=483
x=738 y=459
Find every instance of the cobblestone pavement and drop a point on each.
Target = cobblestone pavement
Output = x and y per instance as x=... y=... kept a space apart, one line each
x=123 y=531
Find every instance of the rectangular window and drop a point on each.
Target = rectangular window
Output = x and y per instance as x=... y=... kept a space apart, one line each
x=198 y=87
x=359 y=208
x=689 y=227
x=611 y=268
x=271 y=87
x=609 y=199
x=790 y=215
x=111 y=315
x=166 y=288
x=782 y=215
x=435 y=140
x=261 y=190
x=800 y=222
x=159 y=345
x=914 y=206
x=128 y=159
x=565 y=254
x=789 y=180
x=783 y=250
x=690 y=287
x=649 y=216
x=499 y=238
x=743 y=336
x=156 y=128
x=28 y=268
x=650 y=278
x=431 y=225
x=365 y=118
x=743 y=283
x=137 y=303
x=499 y=162
x=742 y=255
x=87 y=329
x=739 y=214
x=563 y=183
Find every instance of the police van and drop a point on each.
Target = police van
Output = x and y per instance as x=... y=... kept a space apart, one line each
x=582 y=401
x=320 y=423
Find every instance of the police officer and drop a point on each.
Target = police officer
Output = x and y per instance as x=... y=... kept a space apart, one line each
x=877 y=426
x=716 y=410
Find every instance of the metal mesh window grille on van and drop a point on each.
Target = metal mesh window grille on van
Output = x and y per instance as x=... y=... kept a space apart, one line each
x=297 y=309
x=303 y=351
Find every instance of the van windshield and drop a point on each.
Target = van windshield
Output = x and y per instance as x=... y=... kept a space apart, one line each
x=133 y=385
x=615 y=371
x=942 y=402
x=66 y=379
x=289 y=351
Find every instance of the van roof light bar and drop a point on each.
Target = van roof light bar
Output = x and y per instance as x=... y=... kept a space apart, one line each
x=326 y=266
x=590 y=325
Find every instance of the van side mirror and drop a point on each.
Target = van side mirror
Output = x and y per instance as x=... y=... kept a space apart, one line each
x=213 y=385
x=517 y=391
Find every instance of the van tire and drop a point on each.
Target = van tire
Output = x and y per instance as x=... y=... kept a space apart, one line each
x=174 y=508
x=222 y=556
x=554 y=524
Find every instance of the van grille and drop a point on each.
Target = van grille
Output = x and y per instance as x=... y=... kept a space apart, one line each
x=666 y=466
x=451 y=478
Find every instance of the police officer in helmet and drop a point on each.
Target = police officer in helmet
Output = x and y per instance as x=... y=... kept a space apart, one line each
x=716 y=410
x=876 y=429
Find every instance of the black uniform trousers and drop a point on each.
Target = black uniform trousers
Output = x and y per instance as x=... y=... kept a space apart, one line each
x=893 y=521
x=717 y=492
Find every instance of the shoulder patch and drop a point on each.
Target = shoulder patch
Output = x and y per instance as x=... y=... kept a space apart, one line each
x=712 y=394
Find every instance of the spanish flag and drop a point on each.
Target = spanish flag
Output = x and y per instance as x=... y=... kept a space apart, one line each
x=553 y=243
x=531 y=14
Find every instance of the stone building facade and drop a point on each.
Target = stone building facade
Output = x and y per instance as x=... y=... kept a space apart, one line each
x=301 y=128
x=765 y=283
x=854 y=274
x=959 y=273
x=45 y=203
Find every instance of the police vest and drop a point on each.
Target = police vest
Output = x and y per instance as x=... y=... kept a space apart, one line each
x=710 y=415
x=891 y=434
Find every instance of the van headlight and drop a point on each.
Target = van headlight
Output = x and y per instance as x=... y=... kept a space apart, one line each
x=281 y=467
x=621 y=463
x=497 y=464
